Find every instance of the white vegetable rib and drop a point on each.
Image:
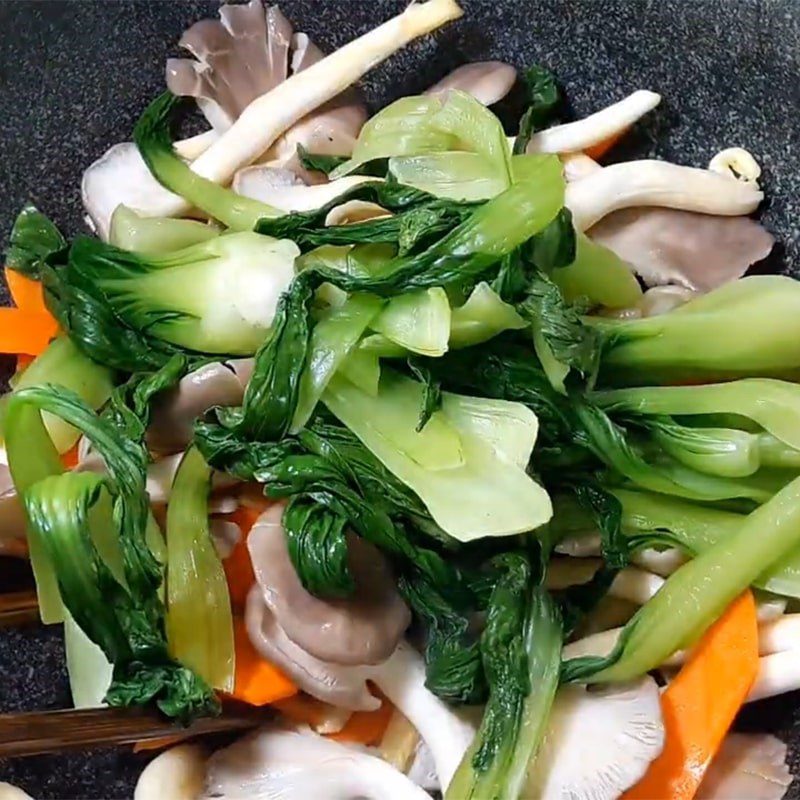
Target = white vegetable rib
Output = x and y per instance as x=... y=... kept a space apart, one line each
x=589 y=131
x=657 y=183
x=268 y=116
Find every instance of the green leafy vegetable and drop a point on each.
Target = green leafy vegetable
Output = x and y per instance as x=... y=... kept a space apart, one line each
x=34 y=241
x=418 y=321
x=152 y=137
x=198 y=622
x=689 y=602
x=319 y=161
x=214 y=297
x=125 y=619
x=521 y=649
x=62 y=364
x=745 y=328
x=544 y=102
x=156 y=235
x=486 y=494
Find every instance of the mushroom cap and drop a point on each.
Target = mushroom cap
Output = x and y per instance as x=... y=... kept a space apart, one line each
x=294 y=765
x=175 y=411
x=487 y=81
x=362 y=629
x=178 y=774
x=599 y=743
x=748 y=765
x=695 y=251
x=340 y=686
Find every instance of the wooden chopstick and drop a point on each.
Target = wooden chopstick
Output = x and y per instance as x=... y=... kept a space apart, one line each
x=18 y=608
x=33 y=733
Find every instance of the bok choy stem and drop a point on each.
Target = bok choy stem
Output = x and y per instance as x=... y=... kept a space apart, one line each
x=199 y=622
x=697 y=593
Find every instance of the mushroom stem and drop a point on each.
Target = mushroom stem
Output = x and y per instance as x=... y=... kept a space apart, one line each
x=589 y=131
x=778 y=673
x=657 y=183
x=402 y=679
x=777 y=637
x=195 y=146
x=268 y=116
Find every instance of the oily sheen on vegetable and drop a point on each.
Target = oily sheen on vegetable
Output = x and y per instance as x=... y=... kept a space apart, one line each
x=402 y=372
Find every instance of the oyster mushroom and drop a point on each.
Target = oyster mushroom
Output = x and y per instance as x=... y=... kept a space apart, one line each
x=748 y=765
x=362 y=629
x=177 y=774
x=9 y=792
x=487 y=81
x=623 y=723
x=175 y=411
x=282 y=189
x=330 y=130
x=273 y=113
x=239 y=57
x=294 y=765
x=696 y=251
x=657 y=183
x=598 y=127
x=332 y=683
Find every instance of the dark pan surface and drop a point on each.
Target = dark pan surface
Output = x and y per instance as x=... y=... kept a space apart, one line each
x=75 y=75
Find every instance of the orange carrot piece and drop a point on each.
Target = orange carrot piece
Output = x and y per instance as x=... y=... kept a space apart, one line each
x=26 y=293
x=237 y=566
x=256 y=681
x=366 y=727
x=701 y=703
x=24 y=361
x=26 y=332
x=70 y=458
x=597 y=151
x=303 y=709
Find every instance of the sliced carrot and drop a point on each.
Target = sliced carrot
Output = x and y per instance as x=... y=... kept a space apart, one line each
x=238 y=567
x=366 y=727
x=597 y=151
x=701 y=703
x=70 y=458
x=26 y=293
x=256 y=681
x=24 y=361
x=26 y=332
x=304 y=709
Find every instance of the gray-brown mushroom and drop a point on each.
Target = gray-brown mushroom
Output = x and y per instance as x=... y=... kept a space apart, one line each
x=237 y=58
x=361 y=629
x=341 y=686
x=176 y=410
x=487 y=81
x=697 y=251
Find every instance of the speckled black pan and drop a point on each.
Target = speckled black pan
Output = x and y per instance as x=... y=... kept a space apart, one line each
x=75 y=75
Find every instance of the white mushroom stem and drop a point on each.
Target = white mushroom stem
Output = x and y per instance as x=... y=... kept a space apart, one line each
x=778 y=673
x=402 y=679
x=578 y=165
x=195 y=146
x=657 y=183
x=268 y=116
x=262 y=183
x=736 y=162
x=775 y=637
x=631 y=583
x=589 y=131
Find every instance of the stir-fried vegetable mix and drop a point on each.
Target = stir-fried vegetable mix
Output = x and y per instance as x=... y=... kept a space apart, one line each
x=428 y=358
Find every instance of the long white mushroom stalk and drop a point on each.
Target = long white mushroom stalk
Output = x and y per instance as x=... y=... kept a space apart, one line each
x=605 y=124
x=268 y=116
x=657 y=183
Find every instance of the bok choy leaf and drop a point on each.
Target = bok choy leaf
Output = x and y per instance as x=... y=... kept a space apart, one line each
x=689 y=602
x=125 y=618
x=199 y=624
